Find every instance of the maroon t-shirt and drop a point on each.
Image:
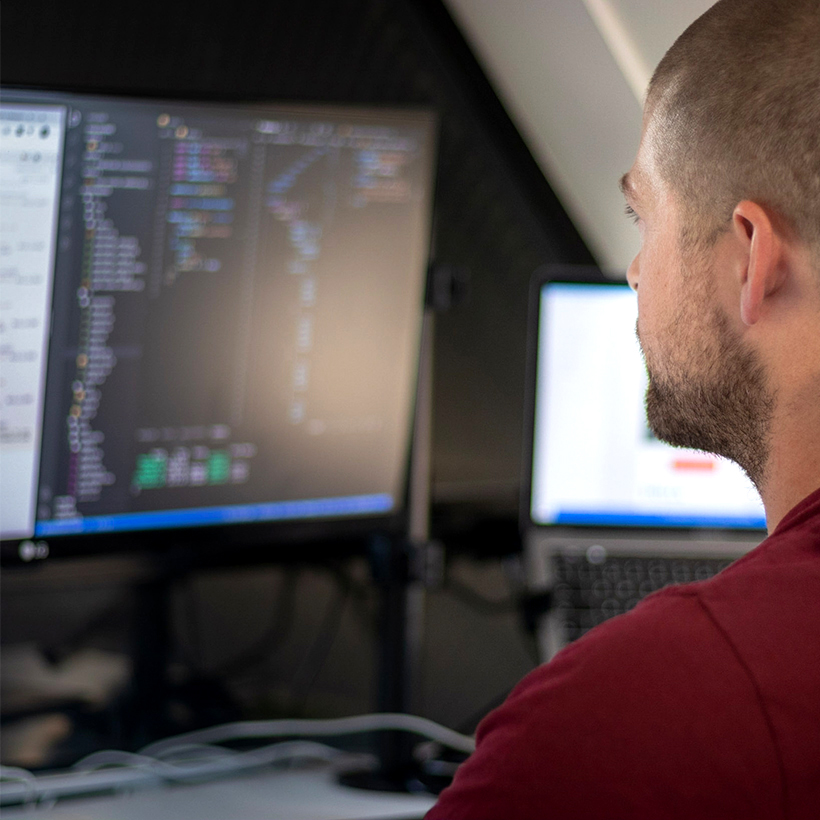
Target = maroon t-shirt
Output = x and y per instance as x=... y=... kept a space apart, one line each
x=703 y=702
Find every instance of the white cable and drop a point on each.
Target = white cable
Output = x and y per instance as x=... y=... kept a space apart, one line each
x=190 y=756
x=219 y=761
x=201 y=750
x=114 y=757
x=383 y=721
x=13 y=774
x=124 y=770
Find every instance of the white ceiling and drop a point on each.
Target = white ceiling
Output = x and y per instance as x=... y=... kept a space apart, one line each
x=572 y=74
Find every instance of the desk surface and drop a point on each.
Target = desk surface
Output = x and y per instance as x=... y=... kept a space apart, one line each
x=293 y=794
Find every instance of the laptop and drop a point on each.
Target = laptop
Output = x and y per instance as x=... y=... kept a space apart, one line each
x=610 y=513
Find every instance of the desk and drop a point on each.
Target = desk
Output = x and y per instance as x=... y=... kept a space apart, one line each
x=303 y=793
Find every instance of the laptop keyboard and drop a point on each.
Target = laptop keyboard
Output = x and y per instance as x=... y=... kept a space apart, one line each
x=590 y=589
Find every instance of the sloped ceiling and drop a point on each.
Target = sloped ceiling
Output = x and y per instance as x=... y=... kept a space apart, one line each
x=572 y=74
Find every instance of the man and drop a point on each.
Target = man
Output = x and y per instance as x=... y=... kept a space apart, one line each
x=704 y=701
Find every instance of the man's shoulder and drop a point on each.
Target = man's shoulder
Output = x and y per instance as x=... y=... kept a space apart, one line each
x=664 y=711
x=662 y=677
x=670 y=634
x=642 y=709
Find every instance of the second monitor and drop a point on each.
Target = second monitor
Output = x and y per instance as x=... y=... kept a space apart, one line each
x=213 y=311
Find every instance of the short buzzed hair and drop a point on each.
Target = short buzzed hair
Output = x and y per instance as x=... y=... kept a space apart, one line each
x=736 y=107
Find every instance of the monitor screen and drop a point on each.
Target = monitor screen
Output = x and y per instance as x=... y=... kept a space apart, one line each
x=210 y=313
x=594 y=460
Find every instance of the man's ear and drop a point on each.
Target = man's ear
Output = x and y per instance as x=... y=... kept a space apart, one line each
x=761 y=263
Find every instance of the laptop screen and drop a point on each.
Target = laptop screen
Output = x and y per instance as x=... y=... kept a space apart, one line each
x=594 y=459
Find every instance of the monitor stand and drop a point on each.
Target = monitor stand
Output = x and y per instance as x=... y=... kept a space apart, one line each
x=398 y=566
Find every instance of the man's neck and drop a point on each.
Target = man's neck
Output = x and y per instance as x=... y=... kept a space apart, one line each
x=793 y=466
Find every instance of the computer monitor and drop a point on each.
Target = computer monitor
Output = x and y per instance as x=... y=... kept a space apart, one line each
x=210 y=315
x=593 y=462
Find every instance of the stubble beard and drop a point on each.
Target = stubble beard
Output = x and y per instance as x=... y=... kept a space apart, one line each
x=714 y=399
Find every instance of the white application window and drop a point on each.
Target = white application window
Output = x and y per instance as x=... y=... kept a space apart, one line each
x=31 y=148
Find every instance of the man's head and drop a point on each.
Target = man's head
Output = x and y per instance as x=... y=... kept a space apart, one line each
x=726 y=184
x=735 y=106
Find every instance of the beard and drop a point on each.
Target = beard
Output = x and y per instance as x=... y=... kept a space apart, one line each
x=713 y=396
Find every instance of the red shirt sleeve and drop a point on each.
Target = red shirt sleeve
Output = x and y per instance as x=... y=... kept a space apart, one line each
x=651 y=715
